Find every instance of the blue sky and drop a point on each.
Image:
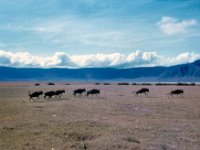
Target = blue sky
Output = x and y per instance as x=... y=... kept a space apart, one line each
x=85 y=27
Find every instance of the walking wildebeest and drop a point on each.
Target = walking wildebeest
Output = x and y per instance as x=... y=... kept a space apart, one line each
x=34 y=94
x=176 y=92
x=59 y=93
x=143 y=90
x=92 y=92
x=49 y=94
x=79 y=91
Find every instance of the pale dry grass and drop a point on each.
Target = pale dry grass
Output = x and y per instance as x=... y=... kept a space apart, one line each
x=115 y=120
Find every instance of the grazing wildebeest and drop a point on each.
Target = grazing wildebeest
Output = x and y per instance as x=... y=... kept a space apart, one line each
x=34 y=94
x=59 y=93
x=143 y=90
x=92 y=92
x=79 y=91
x=176 y=92
x=49 y=94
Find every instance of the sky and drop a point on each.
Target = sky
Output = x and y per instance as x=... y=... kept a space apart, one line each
x=99 y=33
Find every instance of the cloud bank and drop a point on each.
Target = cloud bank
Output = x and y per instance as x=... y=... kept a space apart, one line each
x=137 y=58
x=171 y=26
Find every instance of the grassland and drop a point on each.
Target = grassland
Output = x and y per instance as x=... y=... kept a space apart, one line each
x=116 y=120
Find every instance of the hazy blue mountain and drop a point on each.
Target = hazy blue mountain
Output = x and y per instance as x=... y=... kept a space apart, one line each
x=185 y=72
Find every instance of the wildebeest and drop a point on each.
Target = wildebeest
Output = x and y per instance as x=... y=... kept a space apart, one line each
x=79 y=91
x=59 y=93
x=49 y=94
x=34 y=94
x=141 y=91
x=92 y=92
x=176 y=92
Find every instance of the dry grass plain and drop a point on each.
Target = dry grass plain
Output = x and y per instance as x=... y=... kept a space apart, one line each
x=116 y=120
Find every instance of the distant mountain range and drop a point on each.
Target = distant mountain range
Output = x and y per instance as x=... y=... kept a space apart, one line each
x=179 y=73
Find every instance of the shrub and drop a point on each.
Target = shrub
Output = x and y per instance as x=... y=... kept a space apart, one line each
x=106 y=83
x=50 y=83
x=37 y=84
x=123 y=83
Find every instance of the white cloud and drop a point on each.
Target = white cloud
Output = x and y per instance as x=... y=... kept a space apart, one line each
x=24 y=59
x=182 y=58
x=99 y=60
x=139 y=58
x=63 y=60
x=4 y=58
x=171 y=26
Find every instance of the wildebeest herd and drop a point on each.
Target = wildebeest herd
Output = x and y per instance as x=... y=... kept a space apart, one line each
x=90 y=92
x=48 y=94
x=146 y=91
x=59 y=93
x=80 y=92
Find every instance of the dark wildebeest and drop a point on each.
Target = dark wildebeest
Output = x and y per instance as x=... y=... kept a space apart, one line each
x=143 y=90
x=59 y=93
x=49 y=94
x=79 y=91
x=92 y=92
x=176 y=92
x=34 y=94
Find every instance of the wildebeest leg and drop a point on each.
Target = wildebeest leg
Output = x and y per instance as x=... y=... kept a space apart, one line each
x=30 y=97
x=50 y=97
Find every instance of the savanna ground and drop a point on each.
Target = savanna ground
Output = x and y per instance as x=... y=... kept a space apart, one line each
x=115 y=120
